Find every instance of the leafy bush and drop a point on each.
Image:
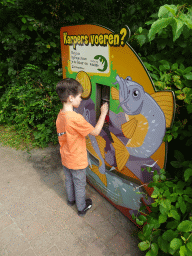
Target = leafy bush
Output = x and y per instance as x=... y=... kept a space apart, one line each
x=31 y=105
x=168 y=229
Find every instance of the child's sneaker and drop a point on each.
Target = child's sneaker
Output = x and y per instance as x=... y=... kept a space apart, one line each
x=70 y=203
x=87 y=207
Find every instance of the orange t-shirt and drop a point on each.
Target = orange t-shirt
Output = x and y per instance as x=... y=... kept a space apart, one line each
x=72 y=143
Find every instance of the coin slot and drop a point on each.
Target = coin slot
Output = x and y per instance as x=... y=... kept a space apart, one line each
x=102 y=96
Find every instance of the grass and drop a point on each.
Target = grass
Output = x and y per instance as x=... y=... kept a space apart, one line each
x=10 y=137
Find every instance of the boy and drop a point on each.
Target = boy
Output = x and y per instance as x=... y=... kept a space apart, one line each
x=72 y=129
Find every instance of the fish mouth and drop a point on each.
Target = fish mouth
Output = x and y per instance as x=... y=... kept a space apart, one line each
x=123 y=103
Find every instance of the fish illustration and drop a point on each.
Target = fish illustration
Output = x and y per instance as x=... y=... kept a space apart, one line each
x=95 y=146
x=147 y=118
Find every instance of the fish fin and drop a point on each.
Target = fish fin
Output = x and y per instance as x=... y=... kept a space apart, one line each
x=121 y=153
x=158 y=155
x=114 y=93
x=91 y=149
x=101 y=176
x=102 y=144
x=140 y=133
x=165 y=101
x=129 y=128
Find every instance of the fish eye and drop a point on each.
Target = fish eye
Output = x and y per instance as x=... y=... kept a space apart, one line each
x=128 y=78
x=136 y=94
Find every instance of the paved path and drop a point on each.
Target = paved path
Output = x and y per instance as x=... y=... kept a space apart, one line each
x=36 y=220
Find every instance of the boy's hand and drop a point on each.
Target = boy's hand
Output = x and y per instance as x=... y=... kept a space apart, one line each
x=104 y=108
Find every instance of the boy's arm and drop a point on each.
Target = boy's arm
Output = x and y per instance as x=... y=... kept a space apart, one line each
x=99 y=125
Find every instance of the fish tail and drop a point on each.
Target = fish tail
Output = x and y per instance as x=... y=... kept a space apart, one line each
x=121 y=152
x=101 y=176
x=101 y=144
x=92 y=150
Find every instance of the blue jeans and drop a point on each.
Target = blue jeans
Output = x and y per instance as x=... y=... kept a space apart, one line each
x=75 y=182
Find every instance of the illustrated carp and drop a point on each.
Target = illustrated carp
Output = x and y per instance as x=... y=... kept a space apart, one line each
x=147 y=118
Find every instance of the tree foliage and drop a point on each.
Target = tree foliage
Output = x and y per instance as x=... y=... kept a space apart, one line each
x=168 y=229
x=31 y=53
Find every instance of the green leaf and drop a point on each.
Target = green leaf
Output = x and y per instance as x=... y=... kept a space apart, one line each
x=186 y=20
x=162 y=177
x=189 y=253
x=155 y=223
x=133 y=216
x=162 y=11
x=177 y=27
x=141 y=236
x=171 y=8
x=189 y=109
x=182 y=67
x=176 y=243
x=188 y=174
x=187 y=70
x=53 y=44
x=24 y=27
x=172 y=224
x=163 y=210
x=147 y=230
x=183 y=251
x=162 y=218
x=189 y=246
x=166 y=204
x=143 y=246
x=169 y=235
x=164 y=245
x=178 y=155
x=154 y=248
x=154 y=76
x=166 y=9
x=188 y=76
x=167 y=193
x=139 y=222
x=142 y=218
x=187 y=199
x=155 y=192
x=158 y=26
x=185 y=226
x=156 y=178
x=188 y=191
x=180 y=184
x=141 y=39
x=174 y=66
x=24 y=20
x=169 y=138
x=165 y=63
x=183 y=207
x=148 y=66
x=30 y=27
x=150 y=253
x=169 y=184
x=176 y=164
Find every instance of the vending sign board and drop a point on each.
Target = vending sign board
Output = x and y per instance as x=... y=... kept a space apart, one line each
x=132 y=136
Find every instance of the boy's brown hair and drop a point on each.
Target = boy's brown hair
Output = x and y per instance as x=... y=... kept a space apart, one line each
x=68 y=86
